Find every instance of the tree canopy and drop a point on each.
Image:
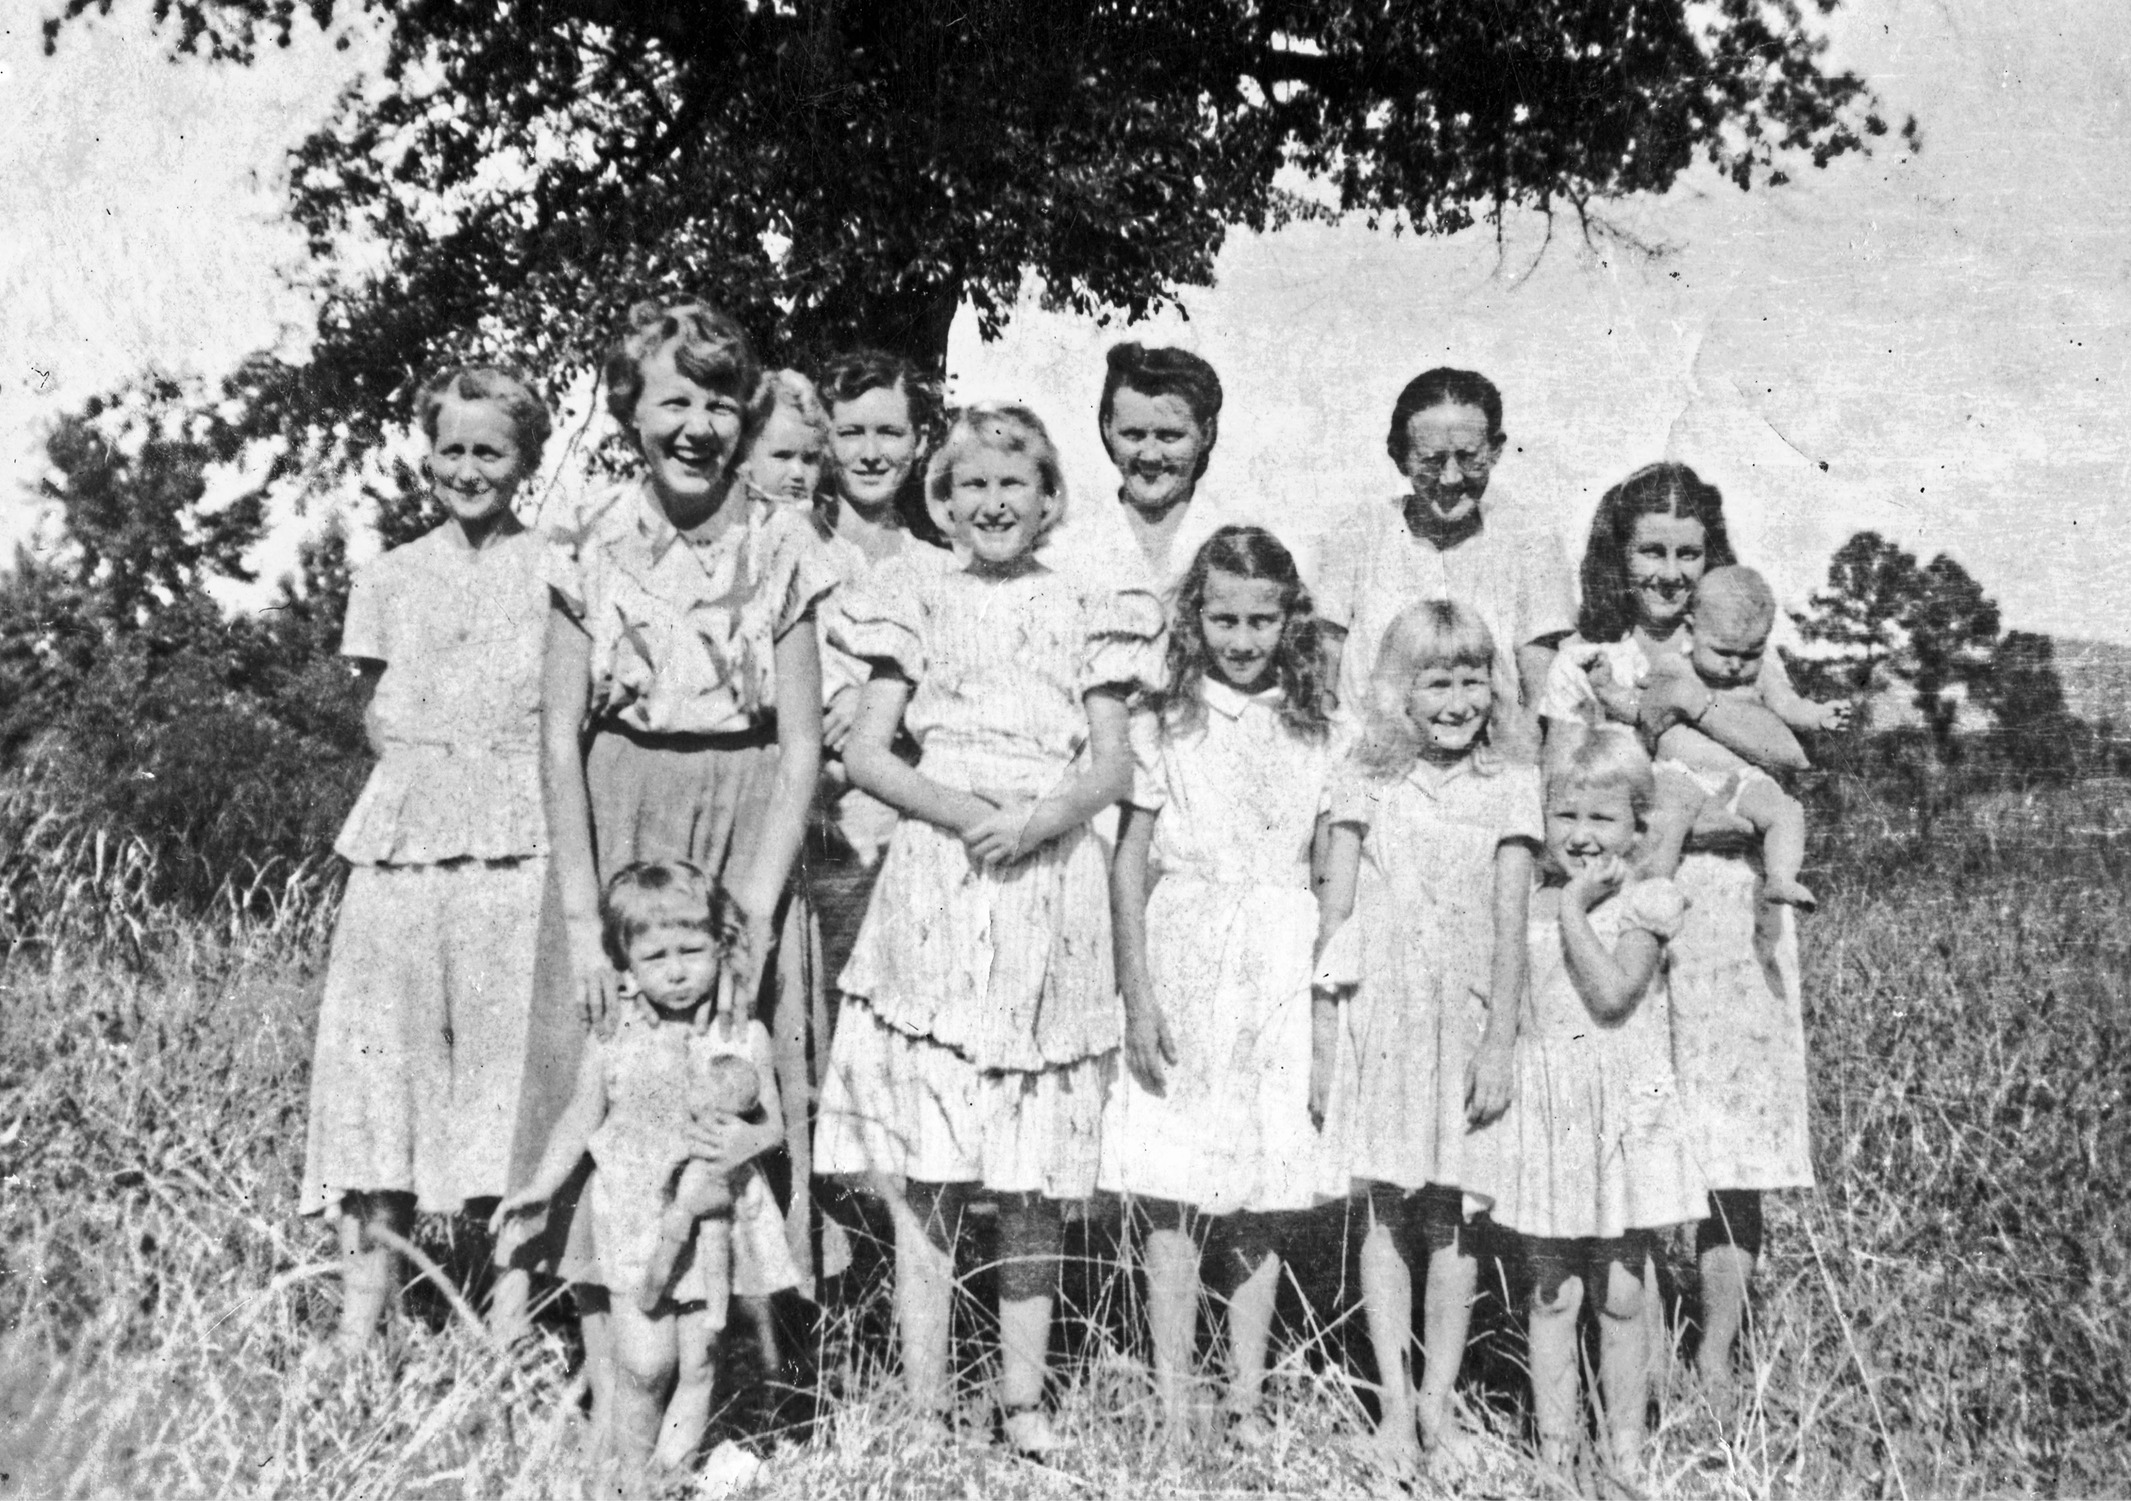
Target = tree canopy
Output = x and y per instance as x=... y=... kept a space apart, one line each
x=838 y=172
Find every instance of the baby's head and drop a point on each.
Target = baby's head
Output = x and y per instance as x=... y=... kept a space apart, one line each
x=669 y=926
x=1598 y=798
x=726 y=1085
x=998 y=482
x=1734 y=610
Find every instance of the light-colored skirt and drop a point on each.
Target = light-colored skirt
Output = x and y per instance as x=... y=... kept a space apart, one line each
x=896 y=1106
x=422 y=1033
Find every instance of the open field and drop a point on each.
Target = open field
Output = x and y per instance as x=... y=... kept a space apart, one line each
x=1947 y=1317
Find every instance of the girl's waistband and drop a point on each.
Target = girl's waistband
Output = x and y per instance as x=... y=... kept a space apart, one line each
x=761 y=733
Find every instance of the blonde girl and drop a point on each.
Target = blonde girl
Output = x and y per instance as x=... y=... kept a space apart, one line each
x=422 y=1030
x=789 y=454
x=1592 y=1155
x=1426 y=874
x=1213 y=1118
x=979 y=1030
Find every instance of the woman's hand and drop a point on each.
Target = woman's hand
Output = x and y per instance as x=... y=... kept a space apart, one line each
x=1487 y=1083
x=1322 y=1061
x=514 y=1206
x=995 y=837
x=1622 y=702
x=728 y=1143
x=748 y=944
x=1593 y=883
x=837 y=718
x=1148 y=1045
x=597 y=985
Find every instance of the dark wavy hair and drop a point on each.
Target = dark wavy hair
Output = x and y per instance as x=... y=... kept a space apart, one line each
x=1664 y=489
x=499 y=386
x=850 y=375
x=709 y=348
x=1163 y=371
x=1249 y=552
x=1441 y=386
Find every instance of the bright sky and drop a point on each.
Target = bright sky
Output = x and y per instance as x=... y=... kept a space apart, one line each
x=1948 y=334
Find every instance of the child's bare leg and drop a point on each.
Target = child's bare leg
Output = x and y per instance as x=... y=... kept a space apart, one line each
x=1727 y=1245
x=1624 y=1354
x=1170 y=1253
x=1387 y=1300
x=927 y=1220
x=1250 y=1317
x=1031 y=1235
x=1781 y=820
x=1679 y=801
x=1446 y=1316
x=1557 y=1299
x=645 y=1358
x=695 y=1374
x=370 y=1270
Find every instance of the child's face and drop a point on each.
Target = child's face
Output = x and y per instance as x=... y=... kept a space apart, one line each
x=875 y=442
x=1156 y=444
x=690 y=434
x=1666 y=559
x=1584 y=824
x=1241 y=619
x=674 y=965
x=997 y=505
x=1448 y=703
x=1728 y=648
x=1450 y=453
x=785 y=460
x=475 y=463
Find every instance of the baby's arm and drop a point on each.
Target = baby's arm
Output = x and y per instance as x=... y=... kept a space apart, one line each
x=1781 y=820
x=1102 y=778
x=1336 y=879
x=1148 y=1045
x=1611 y=981
x=568 y=1142
x=1488 y=1082
x=874 y=767
x=1781 y=698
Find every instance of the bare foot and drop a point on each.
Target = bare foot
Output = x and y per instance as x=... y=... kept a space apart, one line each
x=1029 y=1433
x=1789 y=894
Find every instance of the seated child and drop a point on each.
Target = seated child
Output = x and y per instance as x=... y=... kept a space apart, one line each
x=1734 y=611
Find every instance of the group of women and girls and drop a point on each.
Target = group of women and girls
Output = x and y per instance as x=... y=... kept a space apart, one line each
x=1209 y=867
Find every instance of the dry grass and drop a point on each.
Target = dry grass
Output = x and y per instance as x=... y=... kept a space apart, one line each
x=1945 y=1318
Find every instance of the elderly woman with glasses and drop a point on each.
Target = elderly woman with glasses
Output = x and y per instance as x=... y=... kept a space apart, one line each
x=1450 y=538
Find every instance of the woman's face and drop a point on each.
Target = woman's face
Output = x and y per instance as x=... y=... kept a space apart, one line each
x=875 y=443
x=1450 y=452
x=1156 y=444
x=785 y=460
x=475 y=463
x=1667 y=556
x=689 y=434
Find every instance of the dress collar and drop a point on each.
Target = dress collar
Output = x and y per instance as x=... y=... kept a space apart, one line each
x=1230 y=703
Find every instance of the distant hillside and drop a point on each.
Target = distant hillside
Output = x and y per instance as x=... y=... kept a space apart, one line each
x=2097 y=680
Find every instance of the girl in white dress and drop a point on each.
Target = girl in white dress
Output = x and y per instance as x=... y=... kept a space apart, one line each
x=1592 y=1154
x=1213 y=1118
x=1430 y=849
x=980 y=1026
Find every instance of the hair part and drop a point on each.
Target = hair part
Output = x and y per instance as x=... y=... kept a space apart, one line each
x=498 y=386
x=1430 y=633
x=708 y=347
x=1442 y=386
x=1249 y=552
x=1736 y=594
x=660 y=893
x=1003 y=427
x=1663 y=489
x=1163 y=371
x=1608 y=756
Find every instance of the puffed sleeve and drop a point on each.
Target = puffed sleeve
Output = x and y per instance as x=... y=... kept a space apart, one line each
x=1351 y=793
x=1657 y=907
x=802 y=561
x=1548 y=605
x=1347 y=545
x=881 y=618
x=1522 y=814
x=1150 y=785
x=366 y=631
x=1124 y=641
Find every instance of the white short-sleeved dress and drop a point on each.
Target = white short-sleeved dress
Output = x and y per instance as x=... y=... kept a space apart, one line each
x=1425 y=905
x=422 y=1032
x=1231 y=923
x=980 y=1024
x=1594 y=1143
x=652 y=1075
x=1738 y=1012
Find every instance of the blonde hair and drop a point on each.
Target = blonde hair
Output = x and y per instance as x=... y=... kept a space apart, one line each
x=709 y=348
x=796 y=394
x=1608 y=756
x=655 y=894
x=1004 y=427
x=1431 y=633
x=1738 y=594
